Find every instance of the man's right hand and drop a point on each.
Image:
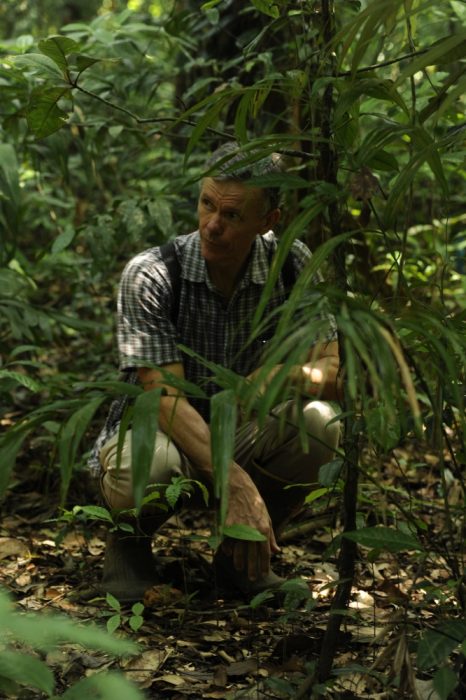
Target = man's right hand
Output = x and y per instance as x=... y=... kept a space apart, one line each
x=246 y=507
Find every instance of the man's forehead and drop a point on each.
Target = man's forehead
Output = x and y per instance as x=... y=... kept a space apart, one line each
x=231 y=191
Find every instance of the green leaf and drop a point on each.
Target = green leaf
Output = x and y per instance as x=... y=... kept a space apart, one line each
x=57 y=48
x=44 y=116
x=84 y=62
x=315 y=495
x=330 y=472
x=10 y=445
x=9 y=174
x=27 y=670
x=384 y=538
x=243 y=532
x=444 y=682
x=448 y=49
x=382 y=160
x=71 y=436
x=63 y=240
x=112 y=602
x=113 y=623
x=437 y=644
x=267 y=7
x=143 y=436
x=223 y=430
x=137 y=609
x=161 y=213
x=97 y=512
x=22 y=379
x=136 y=622
x=104 y=686
x=209 y=5
x=40 y=63
x=370 y=87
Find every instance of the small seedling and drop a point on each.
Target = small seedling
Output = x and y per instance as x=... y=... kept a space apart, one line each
x=116 y=619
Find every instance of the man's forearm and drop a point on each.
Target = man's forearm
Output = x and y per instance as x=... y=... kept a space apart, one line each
x=189 y=432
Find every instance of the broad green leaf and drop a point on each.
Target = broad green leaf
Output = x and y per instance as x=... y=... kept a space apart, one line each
x=113 y=623
x=26 y=670
x=222 y=429
x=437 y=644
x=384 y=538
x=444 y=682
x=84 y=62
x=243 y=532
x=143 y=436
x=136 y=622
x=96 y=512
x=22 y=379
x=57 y=48
x=161 y=213
x=40 y=63
x=267 y=7
x=137 y=608
x=330 y=472
x=44 y=116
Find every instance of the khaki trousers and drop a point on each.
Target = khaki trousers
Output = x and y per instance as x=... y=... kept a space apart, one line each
x=289 y=448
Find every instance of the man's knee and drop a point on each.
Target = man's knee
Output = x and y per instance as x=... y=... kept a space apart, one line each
x=117 y=478
x=322 y=426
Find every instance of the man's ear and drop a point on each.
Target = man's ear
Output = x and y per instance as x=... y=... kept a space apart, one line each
x=272 y=219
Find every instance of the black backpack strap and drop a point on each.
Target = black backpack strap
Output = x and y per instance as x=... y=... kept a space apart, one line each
x=170 y=258
x=289 y=273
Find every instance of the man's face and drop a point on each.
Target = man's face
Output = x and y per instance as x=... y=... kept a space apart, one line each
x=231 y=215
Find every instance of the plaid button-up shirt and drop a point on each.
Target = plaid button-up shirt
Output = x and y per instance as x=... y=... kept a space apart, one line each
x=213 y=327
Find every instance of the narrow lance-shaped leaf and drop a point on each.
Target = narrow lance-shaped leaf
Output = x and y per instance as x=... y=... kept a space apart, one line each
x=384 y=538
x=22 y=379
x=223 y=429
x=26 y=670
x=143 y=436
x=10 y=169
x=70 y=438
x=441 y=52
x=103 y=685
x=9 y=448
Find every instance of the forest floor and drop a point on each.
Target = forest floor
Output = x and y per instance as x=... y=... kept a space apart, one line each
x=196 y=642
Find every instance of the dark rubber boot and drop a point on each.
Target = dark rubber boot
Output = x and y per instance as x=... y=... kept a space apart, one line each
x=129 y=566
x=228 y=577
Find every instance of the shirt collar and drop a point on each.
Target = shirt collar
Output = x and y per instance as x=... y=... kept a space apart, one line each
x=193 y=265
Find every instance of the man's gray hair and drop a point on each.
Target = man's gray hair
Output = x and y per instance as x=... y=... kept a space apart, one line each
x=232 y=162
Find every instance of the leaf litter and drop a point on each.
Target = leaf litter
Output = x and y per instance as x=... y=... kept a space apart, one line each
x=197 y=641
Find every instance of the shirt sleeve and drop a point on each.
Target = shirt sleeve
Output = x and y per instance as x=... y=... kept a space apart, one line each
x=146 y=334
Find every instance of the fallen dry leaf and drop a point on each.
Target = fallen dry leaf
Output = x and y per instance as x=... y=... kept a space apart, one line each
x=12 y=547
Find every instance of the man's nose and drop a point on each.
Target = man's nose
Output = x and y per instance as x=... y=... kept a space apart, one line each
x=214 y=224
